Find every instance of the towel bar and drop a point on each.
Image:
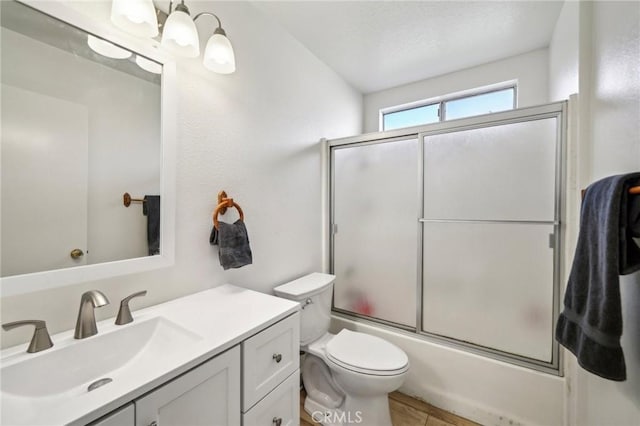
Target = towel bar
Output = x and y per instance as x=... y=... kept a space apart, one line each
x=634 y=190
x=127 y=200
x=223 y=203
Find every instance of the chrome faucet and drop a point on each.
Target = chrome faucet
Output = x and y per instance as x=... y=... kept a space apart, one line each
x=124 y=313
x=40 y=340
x=86 y=324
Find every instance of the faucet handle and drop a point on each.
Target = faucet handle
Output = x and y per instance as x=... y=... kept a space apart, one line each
x=40 y=340
x=124 y=313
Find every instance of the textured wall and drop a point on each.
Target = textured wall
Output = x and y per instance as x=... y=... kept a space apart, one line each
x=563 y=54
x=595 y=51
x=255 y=134
x=615 y=118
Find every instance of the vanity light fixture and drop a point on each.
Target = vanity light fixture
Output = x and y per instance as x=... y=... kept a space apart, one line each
x=180 y=35
x=110 y=50
x=137 y=17
x=107 y=49
x=147 y=65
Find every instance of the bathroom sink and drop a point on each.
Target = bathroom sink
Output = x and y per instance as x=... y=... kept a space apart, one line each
x=117 y=354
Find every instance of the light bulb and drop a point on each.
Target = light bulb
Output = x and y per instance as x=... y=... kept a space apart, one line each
x=180 y=35
x=137 y=17
x=218 y=55
x=107 y=49
x=148 y=65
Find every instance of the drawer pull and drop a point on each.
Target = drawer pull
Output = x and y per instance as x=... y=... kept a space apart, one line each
x=278 y=358
x=277 y=421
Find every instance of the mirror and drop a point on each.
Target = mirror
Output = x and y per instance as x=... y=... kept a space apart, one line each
x=83 y=123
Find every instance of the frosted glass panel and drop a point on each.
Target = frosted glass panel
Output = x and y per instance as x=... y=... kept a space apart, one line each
x=503 y=172
x=490 y=284
x=376 y=212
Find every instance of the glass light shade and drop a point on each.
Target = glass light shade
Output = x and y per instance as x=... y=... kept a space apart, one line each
x=180 y=36
x=148 y=65
x=137 y=17
x=219 y=56
x=107 y=49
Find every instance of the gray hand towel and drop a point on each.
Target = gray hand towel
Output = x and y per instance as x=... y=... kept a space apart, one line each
x=151 y=209
x=591 y=324
x=233 y=242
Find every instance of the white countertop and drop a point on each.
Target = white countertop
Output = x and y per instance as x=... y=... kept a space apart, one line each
x=223 y=317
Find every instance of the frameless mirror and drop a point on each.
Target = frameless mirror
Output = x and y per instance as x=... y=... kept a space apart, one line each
x=82 y=124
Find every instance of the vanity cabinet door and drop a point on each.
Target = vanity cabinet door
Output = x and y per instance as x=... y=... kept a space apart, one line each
x=125 y=416
x=207 y=395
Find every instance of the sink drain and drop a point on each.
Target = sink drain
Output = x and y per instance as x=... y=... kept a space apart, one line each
x=98 y=383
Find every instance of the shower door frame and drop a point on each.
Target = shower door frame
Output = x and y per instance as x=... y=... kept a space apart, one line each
x=557 y=110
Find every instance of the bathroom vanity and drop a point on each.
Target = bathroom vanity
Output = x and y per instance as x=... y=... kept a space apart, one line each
x=225 y=356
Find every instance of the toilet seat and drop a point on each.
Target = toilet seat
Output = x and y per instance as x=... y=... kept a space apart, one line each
x=366 y=354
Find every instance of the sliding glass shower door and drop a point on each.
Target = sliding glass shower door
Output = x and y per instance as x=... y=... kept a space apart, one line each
x=374 y=229
x=488 y=237
x=452 y=231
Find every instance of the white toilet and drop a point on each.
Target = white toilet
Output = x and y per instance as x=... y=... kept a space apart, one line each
x=348 y=375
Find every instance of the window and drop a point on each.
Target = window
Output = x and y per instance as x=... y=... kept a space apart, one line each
x=450 y=109
x=411 y=117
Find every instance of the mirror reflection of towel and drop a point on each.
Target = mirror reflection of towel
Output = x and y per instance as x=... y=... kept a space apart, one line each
x=233 y=243
x=151 y=209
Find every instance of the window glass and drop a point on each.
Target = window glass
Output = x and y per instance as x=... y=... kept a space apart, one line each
x=486 y=103
x=411 y=117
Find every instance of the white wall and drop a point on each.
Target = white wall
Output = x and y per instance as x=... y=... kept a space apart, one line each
x=529 y=70
x=563 y=53
x=122 y=158
x=595 y=51
x=615 y=149
x=253 y=133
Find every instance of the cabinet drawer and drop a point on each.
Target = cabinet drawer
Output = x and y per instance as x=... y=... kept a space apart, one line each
x=280 y=407
x=268 y=358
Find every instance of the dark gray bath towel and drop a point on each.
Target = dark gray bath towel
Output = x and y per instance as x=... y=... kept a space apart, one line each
x=233 y=242
x=591 y=324
x=151 y=209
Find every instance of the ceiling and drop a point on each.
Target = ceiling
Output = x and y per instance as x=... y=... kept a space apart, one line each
x=375 y=45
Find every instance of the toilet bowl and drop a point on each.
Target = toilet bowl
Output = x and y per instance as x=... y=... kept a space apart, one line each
x=347 y=376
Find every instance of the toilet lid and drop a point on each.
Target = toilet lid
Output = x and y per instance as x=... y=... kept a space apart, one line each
x=366 y=353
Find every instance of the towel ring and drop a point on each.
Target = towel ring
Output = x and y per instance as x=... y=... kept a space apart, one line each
x=223 y=203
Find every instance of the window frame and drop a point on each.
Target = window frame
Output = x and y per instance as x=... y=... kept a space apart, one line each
x=441 y=101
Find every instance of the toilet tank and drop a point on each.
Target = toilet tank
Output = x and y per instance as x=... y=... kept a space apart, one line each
x=314 y=293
